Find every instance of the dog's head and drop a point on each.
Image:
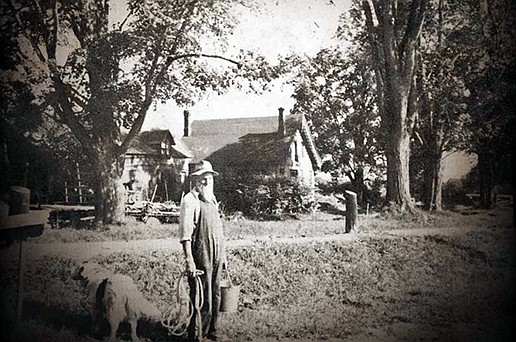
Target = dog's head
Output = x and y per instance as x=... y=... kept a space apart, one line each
x=76 y=272
x=84 y=270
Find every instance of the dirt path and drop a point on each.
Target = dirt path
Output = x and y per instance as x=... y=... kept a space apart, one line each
x=87 y=250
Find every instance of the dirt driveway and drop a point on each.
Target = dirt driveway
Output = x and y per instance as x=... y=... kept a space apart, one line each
x=82 y=251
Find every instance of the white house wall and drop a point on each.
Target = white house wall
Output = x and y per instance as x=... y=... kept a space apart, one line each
x=303 y=164
x=144 y=170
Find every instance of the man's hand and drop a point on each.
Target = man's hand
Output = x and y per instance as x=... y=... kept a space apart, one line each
x=190 y=263
x=190 y=267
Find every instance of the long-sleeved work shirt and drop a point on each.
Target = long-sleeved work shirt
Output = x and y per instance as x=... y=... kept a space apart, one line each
x=188 y=215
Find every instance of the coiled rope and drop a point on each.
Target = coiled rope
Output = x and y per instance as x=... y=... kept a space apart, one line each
x=179 y=325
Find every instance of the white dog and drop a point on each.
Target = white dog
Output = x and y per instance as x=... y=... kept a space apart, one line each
x=114 y=297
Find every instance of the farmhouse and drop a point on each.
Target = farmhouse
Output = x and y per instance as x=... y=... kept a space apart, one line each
x=279 y=145
x=150 y=165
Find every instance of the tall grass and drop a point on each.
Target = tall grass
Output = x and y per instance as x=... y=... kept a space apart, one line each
x=324 y=290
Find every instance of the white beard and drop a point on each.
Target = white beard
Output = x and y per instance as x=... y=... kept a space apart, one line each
x=207 y=193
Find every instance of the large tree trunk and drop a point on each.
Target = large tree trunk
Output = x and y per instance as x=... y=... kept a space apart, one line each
x=433 y=182
x=398 y=183
x=109 y=190
x=397 y=147
x=394 y=43
x=432 y=173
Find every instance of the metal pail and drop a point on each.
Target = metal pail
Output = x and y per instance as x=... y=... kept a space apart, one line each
x=229 y=295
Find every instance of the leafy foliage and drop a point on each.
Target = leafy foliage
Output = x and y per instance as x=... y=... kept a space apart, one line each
x=442 y=97
x=91 y=81
x=335 y=91
x=490 y=76
x=454 y=193
x=264 y=196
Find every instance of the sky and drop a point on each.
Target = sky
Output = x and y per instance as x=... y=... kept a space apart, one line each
x=280 y=28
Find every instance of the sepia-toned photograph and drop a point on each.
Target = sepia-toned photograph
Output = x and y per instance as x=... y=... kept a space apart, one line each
x=257 y=170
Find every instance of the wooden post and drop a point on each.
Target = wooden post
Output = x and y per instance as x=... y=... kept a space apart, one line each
x=19 y=300
x=79 y=186
x=351 y=211
x=154 y=193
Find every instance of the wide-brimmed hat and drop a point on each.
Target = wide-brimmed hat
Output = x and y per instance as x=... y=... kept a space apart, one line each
x=202 y=167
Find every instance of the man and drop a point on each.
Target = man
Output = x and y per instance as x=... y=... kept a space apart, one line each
x=200 y=233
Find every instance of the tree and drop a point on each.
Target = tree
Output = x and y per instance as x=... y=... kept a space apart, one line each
x=490 y=74
x=96 y=80
x=442 y=97
x=393 y=32
x=335 y=91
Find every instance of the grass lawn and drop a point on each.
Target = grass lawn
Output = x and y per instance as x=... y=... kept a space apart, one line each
x=376 y=287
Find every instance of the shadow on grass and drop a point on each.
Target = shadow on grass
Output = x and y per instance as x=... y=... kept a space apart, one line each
x=59 y=318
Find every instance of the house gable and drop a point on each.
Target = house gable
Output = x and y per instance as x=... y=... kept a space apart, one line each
x=158 y=143
x=159 y=140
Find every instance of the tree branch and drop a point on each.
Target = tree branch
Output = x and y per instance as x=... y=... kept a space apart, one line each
x=388 y=37
x=412 y=31
x=124 y=21
x=377 y=55
x=150 y=89
x=199 y=55
x=33 y=43
x=52 y=36
x=63 y=105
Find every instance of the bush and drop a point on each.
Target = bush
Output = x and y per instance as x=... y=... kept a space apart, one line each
x=371 y=191
x=454 y=193
x=264 y=196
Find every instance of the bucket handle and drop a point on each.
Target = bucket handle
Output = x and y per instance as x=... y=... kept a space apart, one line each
x=228 y=275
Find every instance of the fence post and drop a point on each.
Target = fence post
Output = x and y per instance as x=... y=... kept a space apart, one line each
x=79 y=184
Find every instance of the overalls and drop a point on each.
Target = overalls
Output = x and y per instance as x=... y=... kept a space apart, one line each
x=208 y=253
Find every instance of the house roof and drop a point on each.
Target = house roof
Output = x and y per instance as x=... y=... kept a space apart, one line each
x=156 y=136
x=139 y=147
x=180 y=150
x=145 y=144
x=234 y=127
x=247 y=140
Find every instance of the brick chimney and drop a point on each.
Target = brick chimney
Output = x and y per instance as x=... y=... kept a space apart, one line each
x=281 y=122
x=186 y=129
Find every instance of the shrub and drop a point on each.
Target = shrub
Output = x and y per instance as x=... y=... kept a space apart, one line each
x=264 y=196
x=454 y=193
x=371 y=190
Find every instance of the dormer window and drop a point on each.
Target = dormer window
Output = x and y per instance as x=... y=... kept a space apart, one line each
x=165 y=148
